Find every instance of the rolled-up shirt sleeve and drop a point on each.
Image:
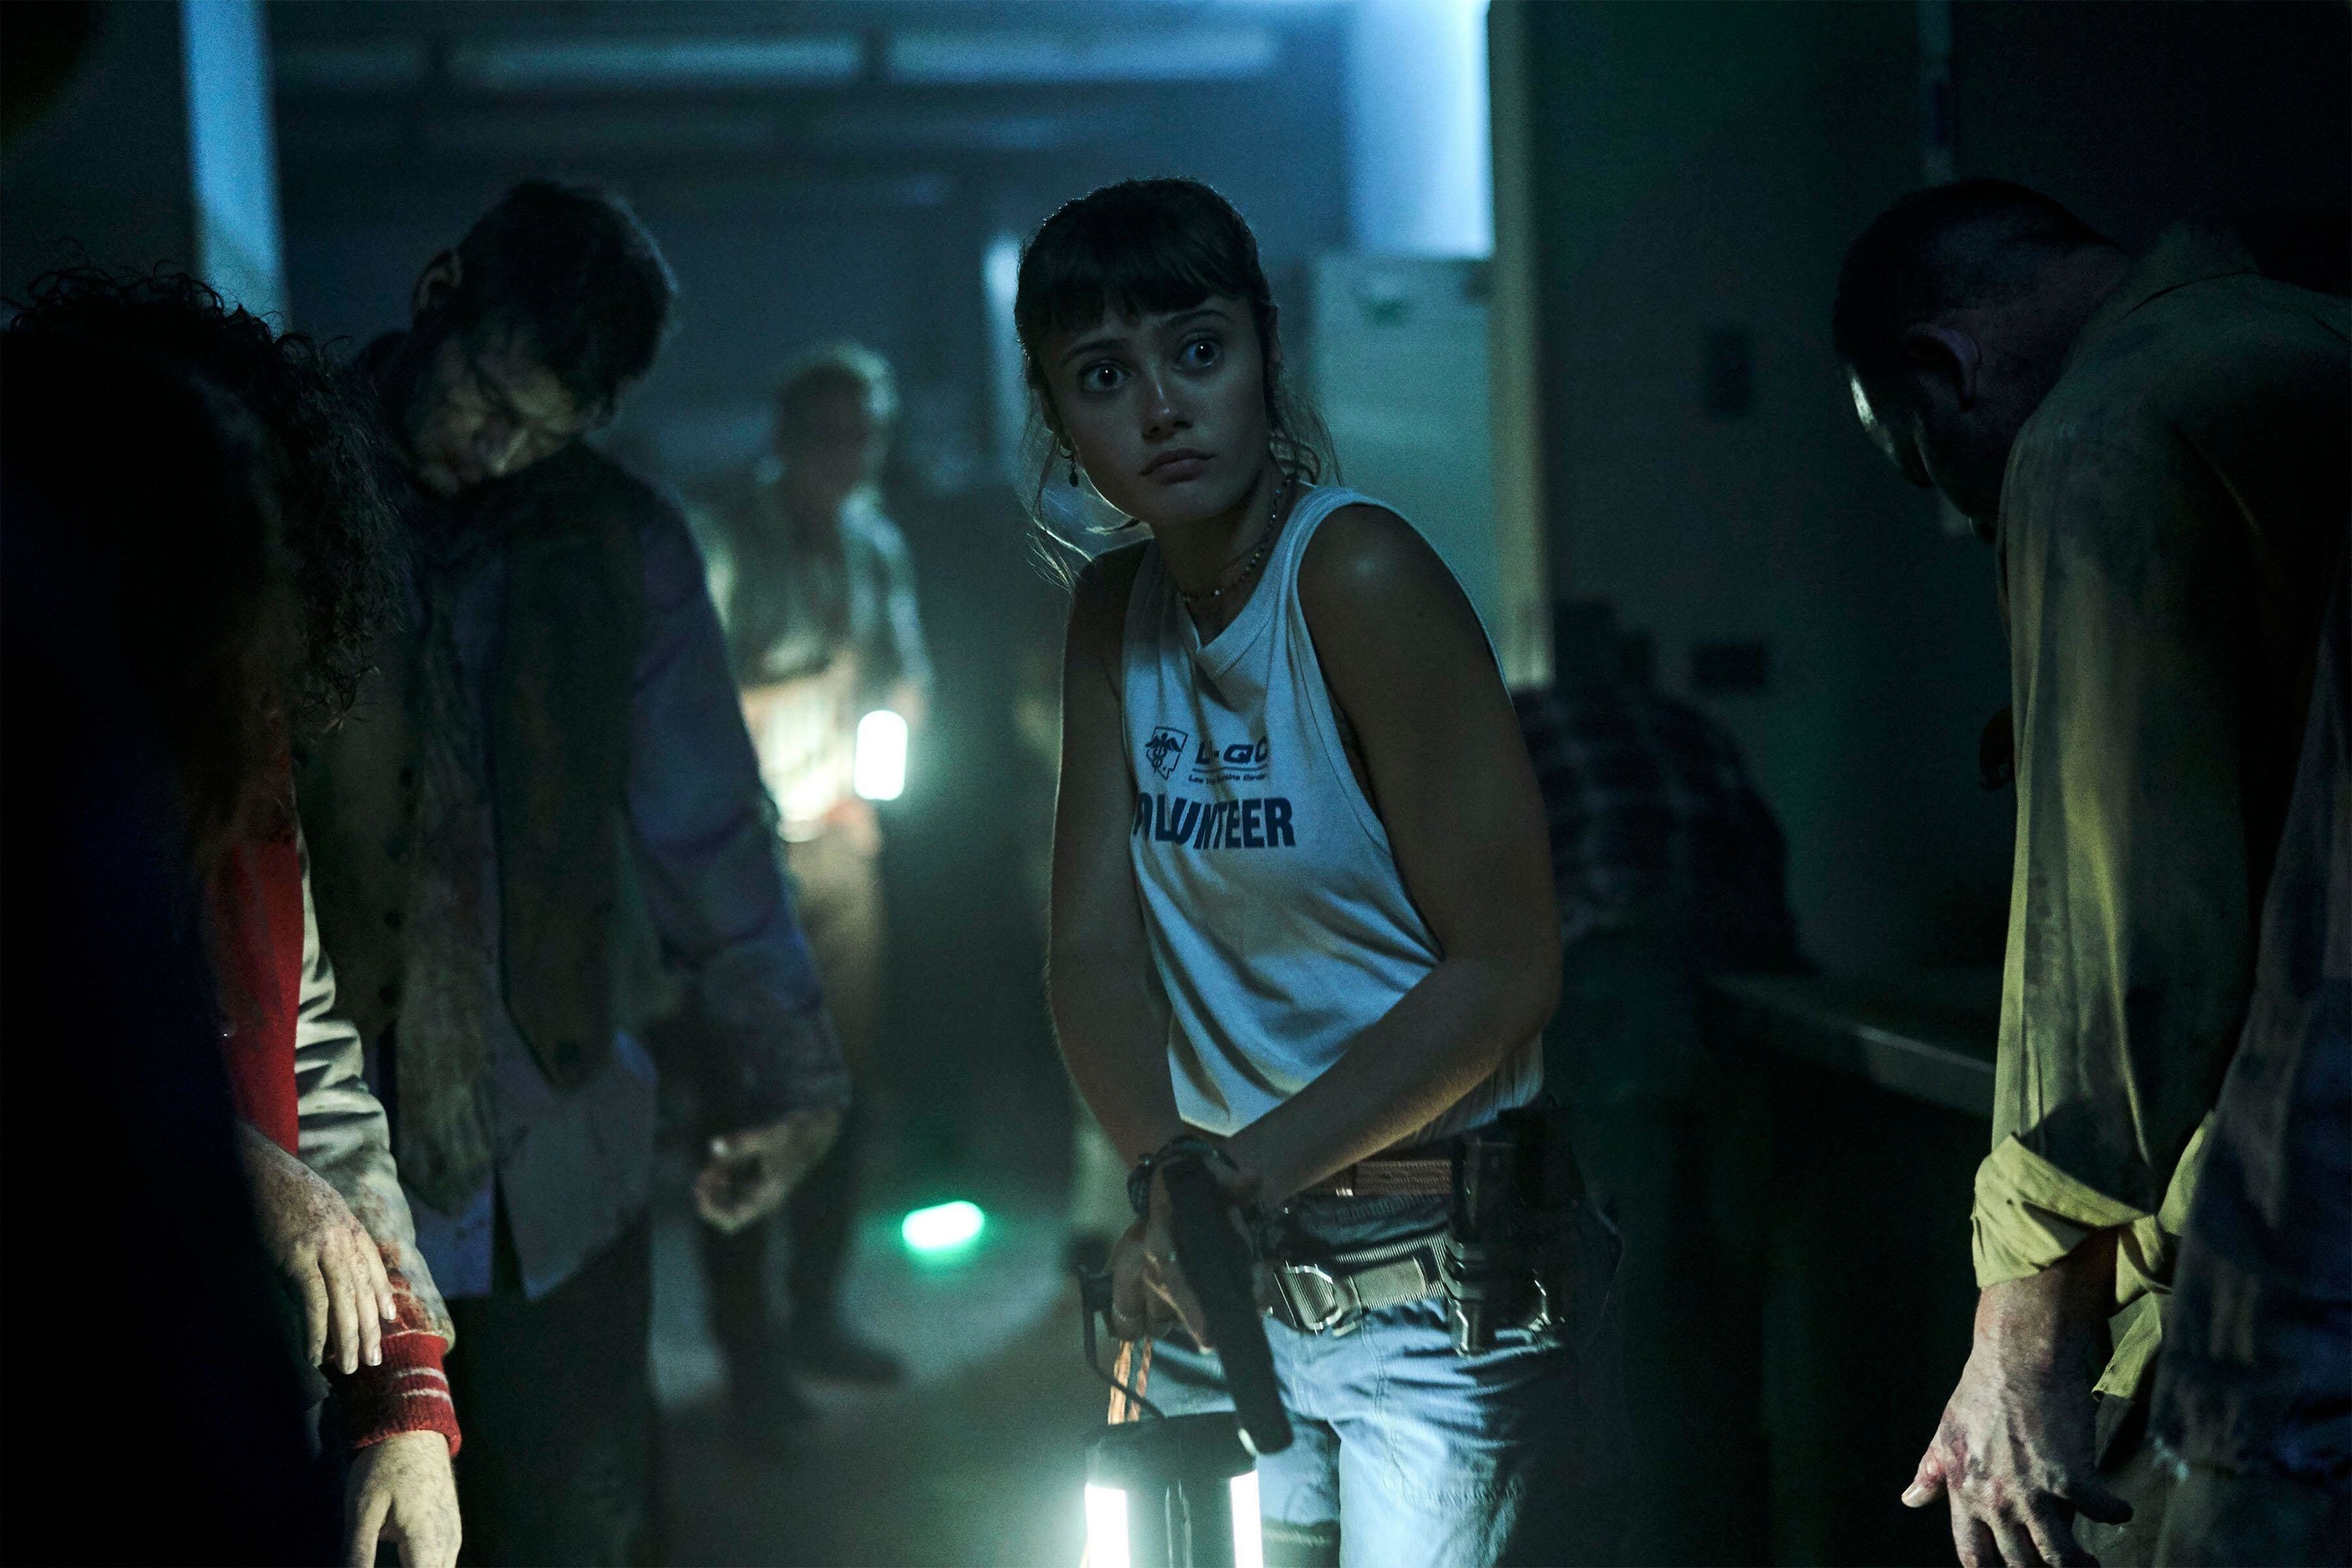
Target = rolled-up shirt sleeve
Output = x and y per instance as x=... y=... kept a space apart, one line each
x=710 y=859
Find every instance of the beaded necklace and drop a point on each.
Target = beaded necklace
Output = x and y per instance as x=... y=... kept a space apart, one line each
x=1207 y=598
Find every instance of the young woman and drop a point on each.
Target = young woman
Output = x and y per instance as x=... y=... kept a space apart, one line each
x=1301 y=905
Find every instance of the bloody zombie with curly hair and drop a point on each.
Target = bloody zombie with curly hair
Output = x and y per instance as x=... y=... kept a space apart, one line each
x=218 y=498
x=327 y=466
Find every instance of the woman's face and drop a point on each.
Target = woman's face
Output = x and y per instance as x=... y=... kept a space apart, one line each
x=1167 y=411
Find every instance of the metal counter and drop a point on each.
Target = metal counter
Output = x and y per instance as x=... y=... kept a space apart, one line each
x=1928 y=1034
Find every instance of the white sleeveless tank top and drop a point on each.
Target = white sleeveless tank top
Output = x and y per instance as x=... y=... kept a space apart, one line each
x=1279 y=924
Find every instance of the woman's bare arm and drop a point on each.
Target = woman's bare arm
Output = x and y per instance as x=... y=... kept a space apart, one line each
x=1407 y=663
x=1107 y=1012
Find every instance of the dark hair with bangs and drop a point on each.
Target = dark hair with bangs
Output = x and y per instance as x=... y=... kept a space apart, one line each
x=1146 y=247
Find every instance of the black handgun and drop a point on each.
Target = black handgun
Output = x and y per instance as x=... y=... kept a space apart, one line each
x=1216 y=1261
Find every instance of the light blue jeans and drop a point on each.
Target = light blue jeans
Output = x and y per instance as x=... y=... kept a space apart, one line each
x=1405 y=1455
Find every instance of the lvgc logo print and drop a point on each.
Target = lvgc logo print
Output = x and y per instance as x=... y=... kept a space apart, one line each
x=1165 y=749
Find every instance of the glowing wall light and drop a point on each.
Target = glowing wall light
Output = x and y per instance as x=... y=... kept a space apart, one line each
x=1005 y=56
x=880 y=770
x=656 y=65
x=1420 y=147
x=943 y=1227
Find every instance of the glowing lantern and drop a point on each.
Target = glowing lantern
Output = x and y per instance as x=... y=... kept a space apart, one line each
x=880 y=771
x=1177 y=1492
x=1180 y=1491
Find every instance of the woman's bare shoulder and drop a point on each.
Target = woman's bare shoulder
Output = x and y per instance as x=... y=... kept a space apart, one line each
x=1365 y=560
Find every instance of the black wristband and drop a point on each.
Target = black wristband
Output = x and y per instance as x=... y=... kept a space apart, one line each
x=1138 y=1180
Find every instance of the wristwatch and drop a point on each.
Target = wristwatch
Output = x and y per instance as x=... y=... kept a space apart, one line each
x=1138 y=1180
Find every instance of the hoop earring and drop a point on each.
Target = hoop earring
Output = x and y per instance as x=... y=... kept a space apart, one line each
x=1074 y=468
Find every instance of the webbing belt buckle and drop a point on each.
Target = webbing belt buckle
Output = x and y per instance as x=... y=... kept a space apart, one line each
x=1300 y=1310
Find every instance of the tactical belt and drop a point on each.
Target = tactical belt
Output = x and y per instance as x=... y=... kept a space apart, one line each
x=1412 y=1173
x=1324 y=1292
x=1332 y=1294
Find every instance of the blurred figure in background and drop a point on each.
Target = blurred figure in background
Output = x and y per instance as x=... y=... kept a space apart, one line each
x=1668 y=867
x=2156 y=449
x=297 y=603
x=543 y=820
x=818 y=597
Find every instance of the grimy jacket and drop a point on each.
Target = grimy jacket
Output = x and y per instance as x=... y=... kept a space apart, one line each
x=699 y=900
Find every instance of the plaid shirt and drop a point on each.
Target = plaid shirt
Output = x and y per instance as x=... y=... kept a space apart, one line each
x=1654 y=825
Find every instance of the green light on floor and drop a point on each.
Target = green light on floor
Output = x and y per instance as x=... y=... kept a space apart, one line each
x=943 y=1227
